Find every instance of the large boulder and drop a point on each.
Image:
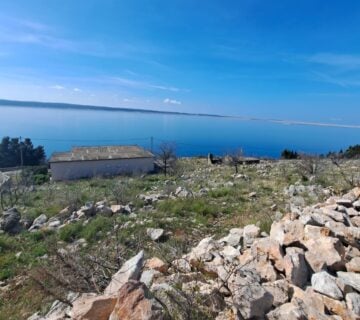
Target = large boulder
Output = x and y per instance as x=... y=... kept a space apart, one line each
x=352 y=279
x=325 y=252
x=130 y=270
x=92 y=307
x=249 y=297
x=279 y=290
x=38 y=223
x=296 y=270
x=10 y=221
x=287 y=311
x=353 y=303
x=134 y=302
x=326 y=284
x=287 y=232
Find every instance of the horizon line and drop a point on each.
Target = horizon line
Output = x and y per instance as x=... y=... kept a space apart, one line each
x=66 y=105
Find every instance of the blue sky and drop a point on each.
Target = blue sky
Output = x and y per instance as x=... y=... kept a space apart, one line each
x=281 y=59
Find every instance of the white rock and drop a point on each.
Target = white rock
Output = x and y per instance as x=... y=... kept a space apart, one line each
x=353 y=302
x=129 y=270
x=326 y=284
x=155 y=234
x=350 y=278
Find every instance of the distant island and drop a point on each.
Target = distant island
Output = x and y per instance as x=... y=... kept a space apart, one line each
x=59 y=105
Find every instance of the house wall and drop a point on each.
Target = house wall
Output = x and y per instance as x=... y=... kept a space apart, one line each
x=86 y=169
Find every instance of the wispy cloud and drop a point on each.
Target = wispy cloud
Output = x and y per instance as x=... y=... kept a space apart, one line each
x=172 y=101
x=138 y=84
x=27 y=32
x=351 y=61
x=77 y=90
x=336 y=80
x=57 y=87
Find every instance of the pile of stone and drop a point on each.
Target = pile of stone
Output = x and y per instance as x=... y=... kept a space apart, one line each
x=307 y=268
x=12 y=222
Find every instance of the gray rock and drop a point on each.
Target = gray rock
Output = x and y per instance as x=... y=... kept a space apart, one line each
x=10 y=221
x=353 y=302
x=350 y=278
x=249 y=297
x=148 y=276
x=155 y=234
x=296 y=270
x=251 y=232
x=279 y=290
x=130 y=270
x=175 y=301
x=326 y=284
x=287 y=311
x=234 y=237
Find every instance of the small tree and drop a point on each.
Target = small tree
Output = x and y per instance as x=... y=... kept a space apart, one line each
x=233 y=158
x=289 y=154
x=167 y=155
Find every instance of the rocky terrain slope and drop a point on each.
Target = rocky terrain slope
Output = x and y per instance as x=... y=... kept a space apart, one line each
x=307 y=267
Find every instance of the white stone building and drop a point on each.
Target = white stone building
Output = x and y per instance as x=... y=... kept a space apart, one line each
x=86 y=162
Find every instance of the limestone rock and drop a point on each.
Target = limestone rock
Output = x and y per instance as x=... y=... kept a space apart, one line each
x=92 y=307
x=134 y=302
x=251 y=232
x=325 y=252
x=249 y=297
x=279 y=290
x=287 y=311
x=353 y=302
x=350 y=278
x=296 y=270
x=130 y=270
x=326 y=284
x=155 y=234
x=287 y=232
x=203 y=251
x=156 y=264
x=353 y=265
x=233 y=238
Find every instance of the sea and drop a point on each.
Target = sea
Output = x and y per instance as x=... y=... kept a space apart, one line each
x=192 y=135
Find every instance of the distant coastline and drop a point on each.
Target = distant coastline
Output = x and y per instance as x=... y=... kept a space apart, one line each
x=70 y=106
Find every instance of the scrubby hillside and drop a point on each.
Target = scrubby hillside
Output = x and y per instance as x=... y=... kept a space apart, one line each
x=67 y=239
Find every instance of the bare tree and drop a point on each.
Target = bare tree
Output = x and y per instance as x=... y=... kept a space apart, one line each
x=309 y=166
x=352 y=178
x=167 y=155
x=233 y=158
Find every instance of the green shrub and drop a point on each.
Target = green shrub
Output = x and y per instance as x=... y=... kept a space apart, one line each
x=71 y=232
x=6 y=243
x=91 y=231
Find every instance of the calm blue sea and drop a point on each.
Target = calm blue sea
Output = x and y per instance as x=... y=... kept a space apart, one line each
x=59 y=130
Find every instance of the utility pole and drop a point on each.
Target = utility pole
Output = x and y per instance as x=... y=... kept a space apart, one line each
x=21 y=153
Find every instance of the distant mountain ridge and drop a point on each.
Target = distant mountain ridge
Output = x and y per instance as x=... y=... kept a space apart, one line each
x=61 y=105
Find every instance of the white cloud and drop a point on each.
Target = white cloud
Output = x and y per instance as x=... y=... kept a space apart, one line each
x=142 y=85
x=172 y=101
x=77 y=90
x=57 y=87
x=351 y=61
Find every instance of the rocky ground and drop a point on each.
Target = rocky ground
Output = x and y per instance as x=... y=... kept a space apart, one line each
x=203 y=243
x=307 y=268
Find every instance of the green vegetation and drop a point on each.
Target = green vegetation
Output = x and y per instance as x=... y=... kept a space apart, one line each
x=14 y=152
x=220 y=200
